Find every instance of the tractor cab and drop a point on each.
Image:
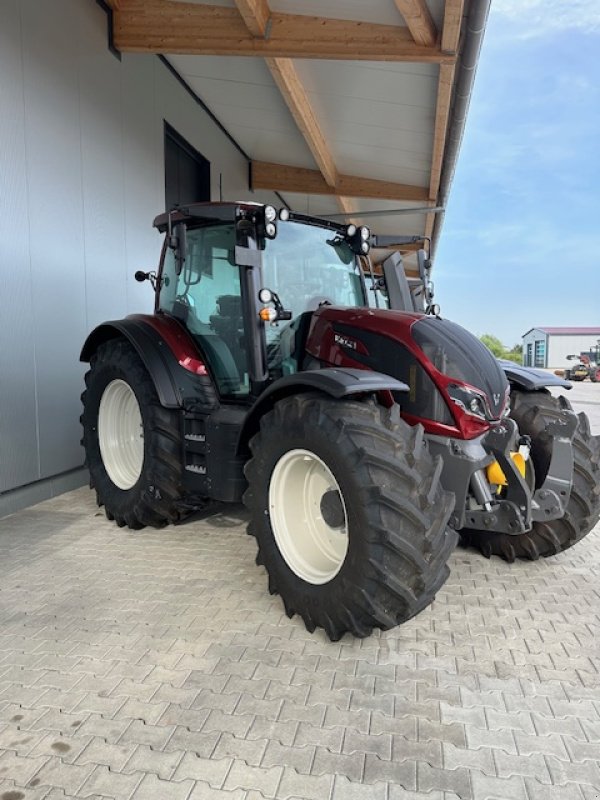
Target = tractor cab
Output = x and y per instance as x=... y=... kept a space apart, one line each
x=244 y=282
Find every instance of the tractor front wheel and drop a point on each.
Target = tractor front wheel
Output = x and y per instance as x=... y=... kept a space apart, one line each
x=348 y=512
x=532 y=411
x=132 y=444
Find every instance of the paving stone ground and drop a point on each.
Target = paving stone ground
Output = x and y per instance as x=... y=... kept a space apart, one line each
x=155 y=665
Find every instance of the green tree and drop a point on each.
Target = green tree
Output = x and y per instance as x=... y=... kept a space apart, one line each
x=493 y=344
x=499 y=350
x=514 y=355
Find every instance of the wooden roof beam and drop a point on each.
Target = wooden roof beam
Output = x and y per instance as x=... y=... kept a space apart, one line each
x=283 y=178
x=453 y=12
x=256 y=15
x=285 y=76
x=419 y=21
x=164 y=26
x=442 y=115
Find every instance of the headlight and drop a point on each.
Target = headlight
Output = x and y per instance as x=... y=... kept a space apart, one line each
x=365 y=247
x=270 y=230
x=284 y=214
x=470 y=401
x=350 y=230
x=270 y=214
x=364 y=233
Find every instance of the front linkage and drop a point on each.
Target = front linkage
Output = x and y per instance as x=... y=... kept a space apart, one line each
x=516 y=504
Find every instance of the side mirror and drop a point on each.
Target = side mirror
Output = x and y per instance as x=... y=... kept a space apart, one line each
x=142 y=276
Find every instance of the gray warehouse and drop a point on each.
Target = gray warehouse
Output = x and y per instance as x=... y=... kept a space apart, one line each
x=549 y=347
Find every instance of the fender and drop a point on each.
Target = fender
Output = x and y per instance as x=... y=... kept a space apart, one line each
x=531 y=379
x=171 y=358
x=337 y=382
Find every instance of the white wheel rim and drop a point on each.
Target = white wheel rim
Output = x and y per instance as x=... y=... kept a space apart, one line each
x=121 y=434
x=313 y=547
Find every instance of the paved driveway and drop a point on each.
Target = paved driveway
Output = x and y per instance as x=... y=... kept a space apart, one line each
x=156 y=665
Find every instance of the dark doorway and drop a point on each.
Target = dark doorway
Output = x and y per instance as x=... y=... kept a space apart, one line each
x=187 y=172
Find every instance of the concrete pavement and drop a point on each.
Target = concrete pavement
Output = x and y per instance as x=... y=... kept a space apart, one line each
x=155 y=664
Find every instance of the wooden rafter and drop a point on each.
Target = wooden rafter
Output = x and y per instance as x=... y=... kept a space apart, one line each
x=256 y=15
x=419 y=21
x=294 y=94
x=281 y=177
x=163 y=26
x=442 y=114
x=453 y=12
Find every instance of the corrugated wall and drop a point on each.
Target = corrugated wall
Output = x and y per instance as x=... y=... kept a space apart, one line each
x=81 y=178
x=559 y=347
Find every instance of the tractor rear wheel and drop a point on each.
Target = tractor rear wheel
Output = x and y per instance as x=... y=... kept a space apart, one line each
x=348 y=512
x=132 y=444
x=531 y=411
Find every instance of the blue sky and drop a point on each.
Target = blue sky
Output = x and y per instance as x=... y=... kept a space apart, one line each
x=521 y=239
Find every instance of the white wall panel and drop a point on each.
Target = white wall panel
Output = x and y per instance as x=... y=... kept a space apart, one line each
x=559 y=347
x=81 y=179
x=52 y=136
x=143 y=171
x=102 y=176
x=18 y=416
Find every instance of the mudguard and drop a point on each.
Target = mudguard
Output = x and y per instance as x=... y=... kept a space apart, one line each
x=161 y=347
x=531 y=379
x=337 y=382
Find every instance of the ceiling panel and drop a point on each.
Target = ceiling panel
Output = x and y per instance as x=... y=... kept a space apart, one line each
x=383 y=12
x=377 y=117
x=241 y=93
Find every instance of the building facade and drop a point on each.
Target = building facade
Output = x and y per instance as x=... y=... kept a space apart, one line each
x=90 y=145
x=549 y=347
x=112 y=112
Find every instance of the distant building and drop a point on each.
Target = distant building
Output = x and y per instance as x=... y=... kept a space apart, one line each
x=549 y=347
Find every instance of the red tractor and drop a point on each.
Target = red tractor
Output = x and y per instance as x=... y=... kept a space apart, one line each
x=362 y=440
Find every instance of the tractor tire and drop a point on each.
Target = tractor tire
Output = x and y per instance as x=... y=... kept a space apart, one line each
x=348 y=512
x=531 y=411
x=133 y=446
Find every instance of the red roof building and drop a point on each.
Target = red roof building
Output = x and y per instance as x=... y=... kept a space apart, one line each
x=548 y=347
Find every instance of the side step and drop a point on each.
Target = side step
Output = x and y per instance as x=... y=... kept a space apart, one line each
x=213 y=467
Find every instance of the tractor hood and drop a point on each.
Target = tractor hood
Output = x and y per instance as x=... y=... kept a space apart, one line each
x=396 y=342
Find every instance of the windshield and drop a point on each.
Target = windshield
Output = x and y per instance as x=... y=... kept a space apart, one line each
x=307 y=265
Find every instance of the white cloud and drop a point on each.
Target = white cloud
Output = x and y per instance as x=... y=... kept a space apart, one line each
x=541 y=17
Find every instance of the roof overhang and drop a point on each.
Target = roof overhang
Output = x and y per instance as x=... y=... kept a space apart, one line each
x=347 y=109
